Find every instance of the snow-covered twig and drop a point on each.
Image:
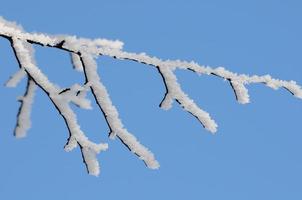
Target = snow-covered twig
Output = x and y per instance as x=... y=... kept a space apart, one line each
x=175 y=92
x=101 y=96
x=16 y=78
x=23 y=117
x=84 y=53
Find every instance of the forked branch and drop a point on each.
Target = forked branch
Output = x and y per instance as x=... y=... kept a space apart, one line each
x=84 y=53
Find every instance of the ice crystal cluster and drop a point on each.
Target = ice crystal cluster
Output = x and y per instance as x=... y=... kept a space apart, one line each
x=84 y=53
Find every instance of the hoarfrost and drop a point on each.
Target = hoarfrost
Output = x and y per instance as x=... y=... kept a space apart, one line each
x=84 y=53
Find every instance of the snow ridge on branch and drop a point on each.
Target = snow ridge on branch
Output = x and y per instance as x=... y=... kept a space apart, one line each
x=83 y=53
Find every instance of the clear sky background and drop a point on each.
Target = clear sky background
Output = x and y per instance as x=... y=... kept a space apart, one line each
x=257 y=152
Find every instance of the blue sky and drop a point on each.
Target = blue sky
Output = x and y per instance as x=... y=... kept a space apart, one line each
x=256 y=153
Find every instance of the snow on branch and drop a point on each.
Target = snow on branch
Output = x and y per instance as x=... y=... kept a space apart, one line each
x=23 y=117
x=83 y=53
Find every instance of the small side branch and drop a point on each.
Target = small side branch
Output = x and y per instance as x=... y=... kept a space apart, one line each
x=16 y=78
x=174 y=91
x=241 y=93
x=90 y=160
x=23 y=117
x=76 y=62
x=110 y=113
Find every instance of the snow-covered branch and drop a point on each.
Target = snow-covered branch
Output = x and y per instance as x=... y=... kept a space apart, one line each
x=83 y=53
x=23 y=117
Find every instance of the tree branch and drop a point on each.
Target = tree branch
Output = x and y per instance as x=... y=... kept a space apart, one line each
x=23 y=117
x=62 y=105
x=110 y=113
x=84 y=53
